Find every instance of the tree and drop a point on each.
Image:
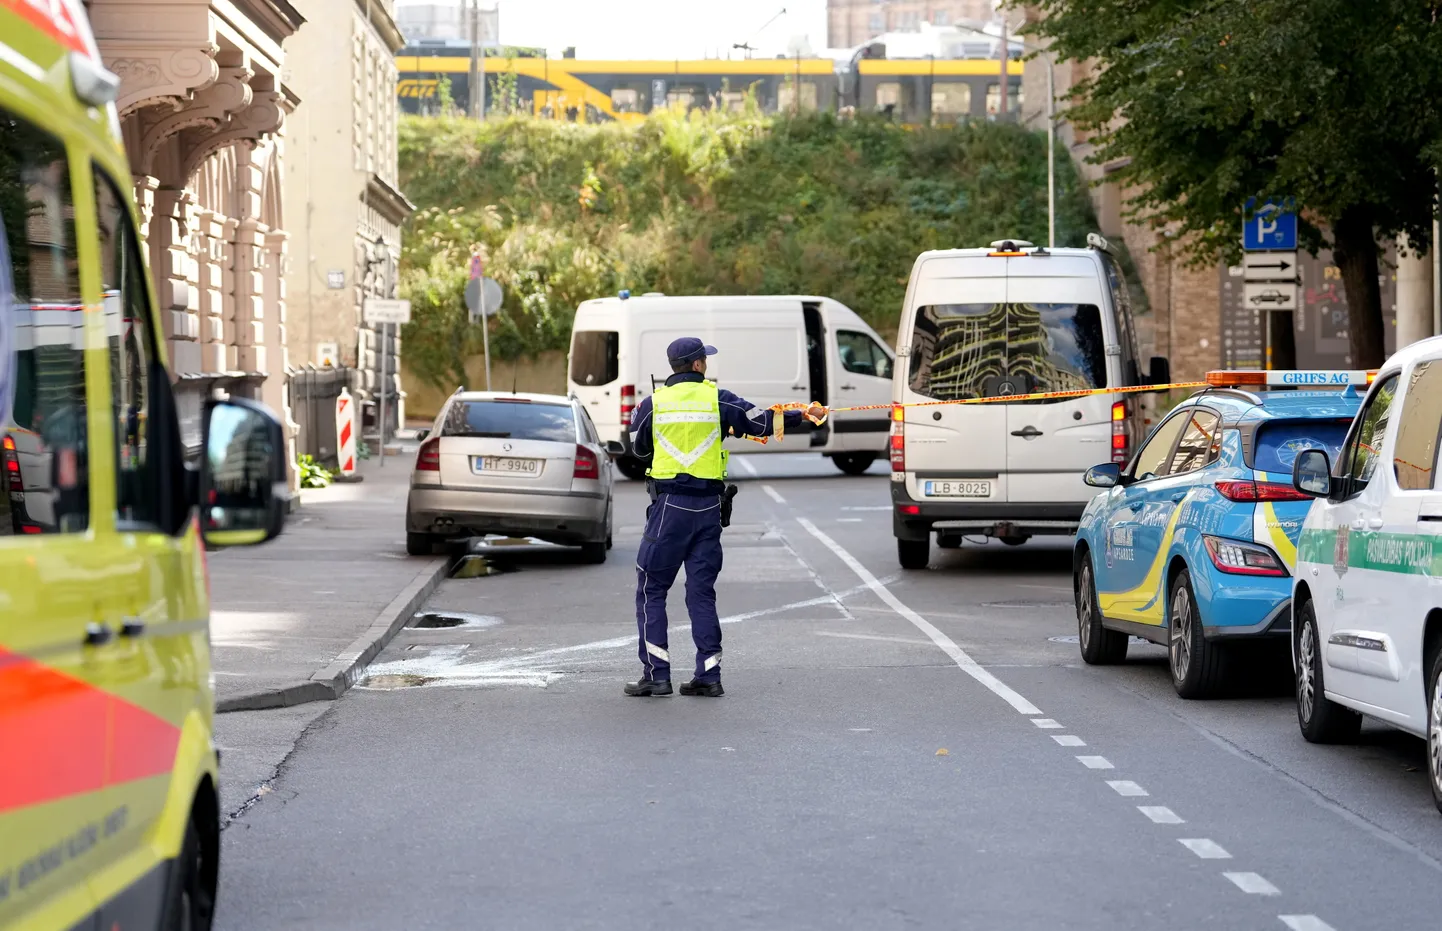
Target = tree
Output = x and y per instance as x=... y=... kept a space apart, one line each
x=1333 y=102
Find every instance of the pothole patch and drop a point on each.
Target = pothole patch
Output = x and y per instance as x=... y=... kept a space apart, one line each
x=431 y=620
x=389 y=682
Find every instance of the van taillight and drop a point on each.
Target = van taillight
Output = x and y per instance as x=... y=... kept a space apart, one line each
x=586 y=464
x=1121 y=433
x=428 y=459
x=628 y=404
x=897 y=442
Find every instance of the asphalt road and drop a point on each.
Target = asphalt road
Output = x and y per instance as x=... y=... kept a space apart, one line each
x=895 y=750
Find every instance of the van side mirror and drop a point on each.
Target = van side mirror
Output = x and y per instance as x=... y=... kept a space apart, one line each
x=1105 y=475
x=1161 y=371
x=614 y=448
x=1312 y=473
x=242 y=474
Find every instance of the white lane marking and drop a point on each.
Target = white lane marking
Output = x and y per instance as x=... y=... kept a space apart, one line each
x=860 y=730
x=911 y=640
x=1160 y=814
x=1045 y=723
x=868 y=508
x=1205 y=848
x=1095 y=762
x=1127 y=787
x=745 y=463
x=848 y=520
x=1069 y=740
x=1252 y=884
x=1305 y=923
x=957 y=654
x=775 y=495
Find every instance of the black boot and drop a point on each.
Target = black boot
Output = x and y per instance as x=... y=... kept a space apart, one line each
x=648 y=687
x=703 y=689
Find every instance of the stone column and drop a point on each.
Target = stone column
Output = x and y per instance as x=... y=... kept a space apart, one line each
x=1414 y=294
x=211 y=236
x=174 y=268
x=276 y=390
x=145 y=186
x=248 y=298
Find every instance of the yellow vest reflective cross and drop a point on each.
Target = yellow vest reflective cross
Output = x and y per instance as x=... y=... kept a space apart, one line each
x=686 y=431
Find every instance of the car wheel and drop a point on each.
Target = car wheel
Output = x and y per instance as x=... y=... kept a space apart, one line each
x=190 y=900
x=1014 y=541
x=854 y=463
x=420 y=544
x=1198 y=667
x=913 y=554
x=1434 y=729
x=1099 y=646
x=631 y=467
x=593 y=553
x=1322 y=720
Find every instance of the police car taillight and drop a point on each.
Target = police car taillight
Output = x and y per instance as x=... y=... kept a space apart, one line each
x=896 y=443
x=1238 y=558
x=1290 y=378
x=1121 y=435
x=628 y=404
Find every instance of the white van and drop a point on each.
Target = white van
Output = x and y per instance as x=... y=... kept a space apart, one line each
x=771 y=350
x=1012 y=319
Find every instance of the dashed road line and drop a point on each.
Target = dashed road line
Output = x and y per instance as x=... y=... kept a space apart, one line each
x=915 y=641
x=775 y=495
x=1127 y=787
x=1045 y=723
x=1069 y=740
x=1252 y=884
x=1160 y=814
x=1305 y=923
x=1095 y=762
x=745 y=463
x=1205 y=848
x=959 y=656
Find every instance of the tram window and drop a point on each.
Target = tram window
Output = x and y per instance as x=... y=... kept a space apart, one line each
x=626 y=100
x=682 y=97
x=888 y=94
x=786 y=96
x=993 y=99
x=732 y=101
x=950 y=99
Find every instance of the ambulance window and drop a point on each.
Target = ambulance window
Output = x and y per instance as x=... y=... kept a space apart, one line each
x=132 y=349
x=1369 y=435
x=43 y=443
x=1414 y=460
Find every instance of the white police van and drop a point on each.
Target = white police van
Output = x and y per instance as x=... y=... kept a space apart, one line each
x=1368 y=590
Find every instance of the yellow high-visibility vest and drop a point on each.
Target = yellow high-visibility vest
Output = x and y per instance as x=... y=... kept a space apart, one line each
x=686 y=431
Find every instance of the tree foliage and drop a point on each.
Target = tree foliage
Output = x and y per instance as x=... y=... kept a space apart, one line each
x=708 y=203
x=1333 y=102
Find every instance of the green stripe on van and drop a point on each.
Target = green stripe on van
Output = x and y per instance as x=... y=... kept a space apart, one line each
x=1407 y=553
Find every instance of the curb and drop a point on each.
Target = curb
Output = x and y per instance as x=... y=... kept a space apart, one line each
x=335 y=679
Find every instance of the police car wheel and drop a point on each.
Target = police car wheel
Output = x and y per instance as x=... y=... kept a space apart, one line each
x=1099 y=646
x=913 y=554
x=1198 y=666
x=1322 y=720
x=1434 y=729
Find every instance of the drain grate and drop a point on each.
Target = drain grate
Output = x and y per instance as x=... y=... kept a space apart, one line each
x=436 y=619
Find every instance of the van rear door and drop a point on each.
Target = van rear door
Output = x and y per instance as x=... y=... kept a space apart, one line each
x=1058 y=331
x=956 y=342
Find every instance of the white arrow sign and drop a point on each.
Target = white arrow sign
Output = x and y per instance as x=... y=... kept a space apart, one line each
x=1270 y=295
x=1269 y=266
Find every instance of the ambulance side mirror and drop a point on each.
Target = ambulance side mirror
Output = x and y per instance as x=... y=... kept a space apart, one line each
x=1312 y=474
x=242 y=474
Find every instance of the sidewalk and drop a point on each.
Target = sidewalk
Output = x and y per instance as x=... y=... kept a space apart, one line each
x=293 y=620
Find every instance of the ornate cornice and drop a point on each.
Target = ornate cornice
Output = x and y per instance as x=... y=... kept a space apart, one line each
x=264 y=116
x=169 y=77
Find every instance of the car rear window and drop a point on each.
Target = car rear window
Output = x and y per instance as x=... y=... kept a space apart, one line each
x=512 y=420
x=1278 y=444
x=983 y=350
x=595 y=357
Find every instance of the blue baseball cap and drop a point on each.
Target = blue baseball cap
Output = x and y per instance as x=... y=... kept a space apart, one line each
x=688 y=349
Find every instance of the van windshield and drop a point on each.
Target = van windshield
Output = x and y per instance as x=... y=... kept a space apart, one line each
x=961 y=351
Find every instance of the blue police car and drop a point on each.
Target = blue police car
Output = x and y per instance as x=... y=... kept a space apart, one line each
x=1193 y=542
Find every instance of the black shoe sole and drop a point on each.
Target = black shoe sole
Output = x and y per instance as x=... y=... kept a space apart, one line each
x=647 y=692
x=703 y=691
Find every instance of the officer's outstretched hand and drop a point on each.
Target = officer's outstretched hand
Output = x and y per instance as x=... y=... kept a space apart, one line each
x=817 y=412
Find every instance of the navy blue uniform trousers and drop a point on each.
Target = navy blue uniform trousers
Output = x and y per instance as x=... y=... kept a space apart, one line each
x=680 y=530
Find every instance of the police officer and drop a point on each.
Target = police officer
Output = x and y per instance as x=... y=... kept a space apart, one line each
x=680 y=428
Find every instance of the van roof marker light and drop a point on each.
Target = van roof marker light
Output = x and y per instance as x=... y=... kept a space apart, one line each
x=1291 y=378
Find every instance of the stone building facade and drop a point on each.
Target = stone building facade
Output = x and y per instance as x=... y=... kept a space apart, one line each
x=203 y=104
x=850 y=23
x=346 y=208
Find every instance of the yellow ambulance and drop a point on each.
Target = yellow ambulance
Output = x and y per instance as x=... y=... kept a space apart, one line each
x=108 y=767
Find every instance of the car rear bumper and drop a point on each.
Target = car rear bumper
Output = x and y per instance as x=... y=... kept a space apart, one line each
x=562 y=517
x=1277 y=624
x=997 y=518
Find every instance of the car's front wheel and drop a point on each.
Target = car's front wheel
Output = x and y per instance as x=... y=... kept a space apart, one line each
x=1198 y=666
x=1434 y=729
x=1322 y=720
x=1099 y=646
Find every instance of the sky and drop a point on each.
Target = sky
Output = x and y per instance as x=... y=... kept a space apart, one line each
x=660 y=28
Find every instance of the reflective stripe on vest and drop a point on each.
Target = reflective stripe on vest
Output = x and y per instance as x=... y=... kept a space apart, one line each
x=686 y=431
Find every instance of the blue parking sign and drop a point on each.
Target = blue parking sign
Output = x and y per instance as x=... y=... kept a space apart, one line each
x=1273 y=225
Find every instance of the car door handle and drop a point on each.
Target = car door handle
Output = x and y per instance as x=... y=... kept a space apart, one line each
x=1028 y=432
x=848 y=387
x=798 y=387
x=97 y=635
x=1374 y=524
x=131 y=627
x=1357 y=524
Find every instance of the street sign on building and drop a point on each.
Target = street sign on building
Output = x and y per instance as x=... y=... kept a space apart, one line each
x=379 y=310
x=1270 y=295
x=327 y=354
x=335 y=279
x=1270 y=266
x=1270 y=225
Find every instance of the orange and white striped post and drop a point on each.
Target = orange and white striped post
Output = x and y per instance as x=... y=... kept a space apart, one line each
x=345 y=432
